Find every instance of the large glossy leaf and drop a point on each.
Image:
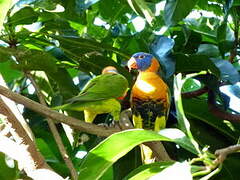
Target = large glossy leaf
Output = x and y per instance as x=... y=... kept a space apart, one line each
x=25 y=15
x=227 y=71
x=183 y=122
x=176 y=10
x=161 y=48
x=209 y=50
x=110 y=150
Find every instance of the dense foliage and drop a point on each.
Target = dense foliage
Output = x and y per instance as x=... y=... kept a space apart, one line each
x=65 y=43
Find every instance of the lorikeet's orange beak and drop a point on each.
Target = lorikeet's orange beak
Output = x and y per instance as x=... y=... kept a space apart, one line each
x=132 y=64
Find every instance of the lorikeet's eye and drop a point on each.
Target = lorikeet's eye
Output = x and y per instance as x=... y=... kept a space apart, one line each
x=141 y=57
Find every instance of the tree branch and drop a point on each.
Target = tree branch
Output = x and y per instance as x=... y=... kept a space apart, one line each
x=195 y=93
x=223 y=153
x=54 y=131
x=33 y=159
x=9 y=147
x=213 y=108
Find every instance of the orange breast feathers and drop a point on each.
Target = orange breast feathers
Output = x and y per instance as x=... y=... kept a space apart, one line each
x=150 y=86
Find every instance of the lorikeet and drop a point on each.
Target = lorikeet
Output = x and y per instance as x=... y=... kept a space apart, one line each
x=100 y=95
x=150 y=97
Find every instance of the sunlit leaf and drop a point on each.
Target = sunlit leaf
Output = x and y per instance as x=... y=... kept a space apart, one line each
x=176 y=10
x=110 y=150
x=25 y=15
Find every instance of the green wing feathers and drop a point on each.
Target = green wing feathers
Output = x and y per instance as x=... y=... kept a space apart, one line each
x=103 y=87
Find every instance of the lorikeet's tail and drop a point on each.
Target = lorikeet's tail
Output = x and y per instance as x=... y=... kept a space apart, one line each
x=160 y=123
x=147 y=154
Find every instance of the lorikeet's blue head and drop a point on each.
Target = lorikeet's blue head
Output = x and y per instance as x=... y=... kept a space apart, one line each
x=142 y=62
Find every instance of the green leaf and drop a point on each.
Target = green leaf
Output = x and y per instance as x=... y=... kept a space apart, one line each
x=8 y=72
x=207 y=27
x=195 y=63
x=141 y=8
x=176 y=10
x=46 y=150
x=227 y=70
x=25 y=15
x=127 y=163
x=71 y=44
x=182 y=120
x=7 y=172
x=147 y=170
x=5 y=54
x=4 y=6
x=110 y=150
x=64 y=82
x=32 y=59
x=209 y=50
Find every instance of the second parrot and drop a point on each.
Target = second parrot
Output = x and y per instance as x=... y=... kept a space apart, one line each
x=100 y=95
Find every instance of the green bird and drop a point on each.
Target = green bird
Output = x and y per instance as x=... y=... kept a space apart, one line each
x=100 y=95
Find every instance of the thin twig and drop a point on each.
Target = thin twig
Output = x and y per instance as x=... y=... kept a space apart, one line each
x=223 y=153
x=195 y=93
x=54 y=131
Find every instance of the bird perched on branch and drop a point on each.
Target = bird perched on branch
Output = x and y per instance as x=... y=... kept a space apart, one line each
x=150 y=97
x=100 y=95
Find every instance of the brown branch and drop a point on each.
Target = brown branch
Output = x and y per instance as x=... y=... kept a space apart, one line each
x=58 y=117
x=10 y=147
x=213 y=108
x=33 y=159
x=223 y=153
x=159 y=150
x=54 y=131
x=195 y=93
